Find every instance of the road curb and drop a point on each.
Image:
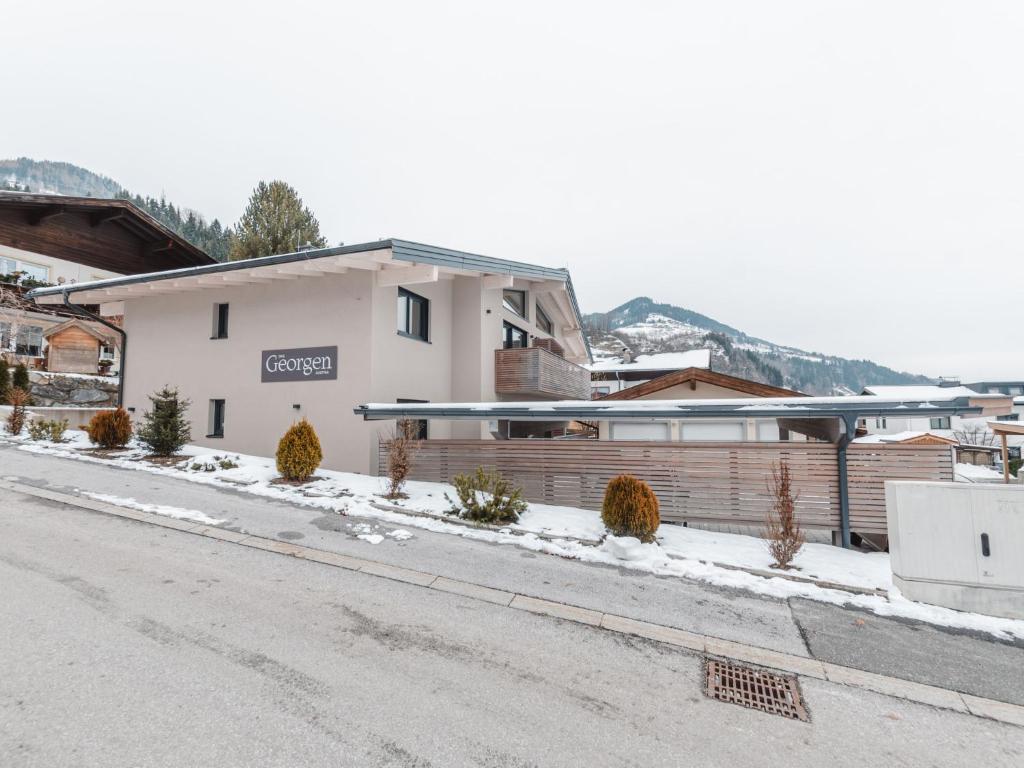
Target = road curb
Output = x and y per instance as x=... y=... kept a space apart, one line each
x=907 y=690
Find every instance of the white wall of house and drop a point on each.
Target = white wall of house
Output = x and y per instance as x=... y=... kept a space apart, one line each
x=48 y=268
x=169 y=344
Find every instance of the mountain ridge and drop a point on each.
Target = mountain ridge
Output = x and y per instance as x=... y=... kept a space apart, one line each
x=645 y=326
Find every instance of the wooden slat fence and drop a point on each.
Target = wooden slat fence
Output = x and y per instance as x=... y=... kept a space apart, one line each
x=695 y=482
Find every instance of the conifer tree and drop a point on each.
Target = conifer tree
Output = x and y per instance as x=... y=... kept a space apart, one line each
x=165 y=428
x=275 y=221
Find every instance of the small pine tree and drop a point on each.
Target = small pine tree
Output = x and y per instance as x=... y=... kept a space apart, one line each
x=165 y=427
x=5 y=381
x=630 y=508
x=298 y=453
x=21 y=380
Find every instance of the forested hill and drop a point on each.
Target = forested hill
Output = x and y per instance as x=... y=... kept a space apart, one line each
x=46 y=176
x=647 y=327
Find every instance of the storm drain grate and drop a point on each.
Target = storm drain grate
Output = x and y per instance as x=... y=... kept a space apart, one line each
x=756 y=689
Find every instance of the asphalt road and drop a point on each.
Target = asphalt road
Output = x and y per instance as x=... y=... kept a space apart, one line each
x=126 y=645
x=971 y=663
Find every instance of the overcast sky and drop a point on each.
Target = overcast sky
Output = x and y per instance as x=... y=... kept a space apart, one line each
x=845 y=177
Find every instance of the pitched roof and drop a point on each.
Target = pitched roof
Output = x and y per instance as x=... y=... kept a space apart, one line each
x=78 y=323
x=692 y=376
x=109 y=234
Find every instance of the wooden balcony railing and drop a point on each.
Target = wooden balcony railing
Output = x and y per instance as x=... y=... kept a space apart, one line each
x=536 y=373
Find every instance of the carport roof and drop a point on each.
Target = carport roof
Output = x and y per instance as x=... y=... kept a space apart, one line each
x=754 y=407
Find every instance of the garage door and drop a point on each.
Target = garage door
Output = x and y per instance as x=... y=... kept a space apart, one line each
x=638 y=430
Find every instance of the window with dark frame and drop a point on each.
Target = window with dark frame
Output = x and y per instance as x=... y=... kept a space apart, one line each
x=421 y=424
x=514 y=337
x=939 y=422
x=216 y=419
x=220 y=321
x=514 y=301
x=413 y=315
x=544 y=322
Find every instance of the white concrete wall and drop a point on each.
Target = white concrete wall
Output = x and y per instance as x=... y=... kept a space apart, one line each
x=935 y=542
x=169 y=343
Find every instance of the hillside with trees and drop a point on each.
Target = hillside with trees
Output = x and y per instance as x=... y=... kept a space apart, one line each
x=646 y=327
x=48 y=177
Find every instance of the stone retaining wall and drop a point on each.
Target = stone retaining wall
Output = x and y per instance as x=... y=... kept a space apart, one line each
x=61 y=389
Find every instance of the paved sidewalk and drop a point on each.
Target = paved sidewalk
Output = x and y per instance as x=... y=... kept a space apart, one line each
x=136 y=644
x=974 y=665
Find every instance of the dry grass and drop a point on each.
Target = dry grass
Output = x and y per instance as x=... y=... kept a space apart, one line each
x=401 y=445
x=18 y=399
x=782 y=529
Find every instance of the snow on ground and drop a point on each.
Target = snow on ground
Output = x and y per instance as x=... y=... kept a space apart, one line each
x=972 y=473
x=578 y=534
x=157 y=509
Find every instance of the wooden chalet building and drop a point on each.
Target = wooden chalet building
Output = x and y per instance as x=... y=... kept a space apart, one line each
x=58 y=240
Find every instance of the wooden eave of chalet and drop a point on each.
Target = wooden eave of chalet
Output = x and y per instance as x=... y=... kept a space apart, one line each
x=107 y=234
x=693 y=376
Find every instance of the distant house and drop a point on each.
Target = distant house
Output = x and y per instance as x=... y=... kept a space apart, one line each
x=975 y=440
x=58 y=240
x=697 y=384
x=614 y=374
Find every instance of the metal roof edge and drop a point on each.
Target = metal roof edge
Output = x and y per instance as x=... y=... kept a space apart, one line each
x=211 y=269
x=555 y=410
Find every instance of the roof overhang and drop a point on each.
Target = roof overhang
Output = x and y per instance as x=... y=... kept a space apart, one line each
x=109 y=234
x=398 y=262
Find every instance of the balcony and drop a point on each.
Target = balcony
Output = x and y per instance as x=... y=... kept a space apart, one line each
x=536 y=373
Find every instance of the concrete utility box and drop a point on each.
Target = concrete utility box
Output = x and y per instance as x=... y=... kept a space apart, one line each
x=958 y=545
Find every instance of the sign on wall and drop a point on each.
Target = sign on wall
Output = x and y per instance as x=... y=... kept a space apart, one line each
x=301 y=364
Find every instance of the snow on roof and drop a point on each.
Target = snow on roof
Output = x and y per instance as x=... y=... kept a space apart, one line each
x=895 y=437
x=921 y=392
x=801 y=407
x=662 y=361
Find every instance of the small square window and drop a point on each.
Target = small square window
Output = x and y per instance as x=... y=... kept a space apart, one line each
x=220 y=321
x=514 y=301
x=939 y=422
x=216 y=423
x=413 y=315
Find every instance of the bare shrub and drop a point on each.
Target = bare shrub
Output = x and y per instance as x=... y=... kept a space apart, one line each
x=400 y=445
x=782 y=529
x=18 y=398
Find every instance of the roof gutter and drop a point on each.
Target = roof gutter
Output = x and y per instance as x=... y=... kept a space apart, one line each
x=83 y=312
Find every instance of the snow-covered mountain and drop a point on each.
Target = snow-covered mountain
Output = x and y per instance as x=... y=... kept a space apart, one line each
x=647 y=327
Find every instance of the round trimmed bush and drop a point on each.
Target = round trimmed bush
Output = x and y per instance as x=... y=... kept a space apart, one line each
x=298 y=453
x=630 y=508
x=110 y=429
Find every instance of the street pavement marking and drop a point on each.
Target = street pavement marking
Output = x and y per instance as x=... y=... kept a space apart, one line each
x=921 y=693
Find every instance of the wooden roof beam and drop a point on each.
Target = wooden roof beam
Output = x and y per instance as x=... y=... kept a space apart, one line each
x=37 y=217
x=494 y=282
x=102 y=217
x=421 y=273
